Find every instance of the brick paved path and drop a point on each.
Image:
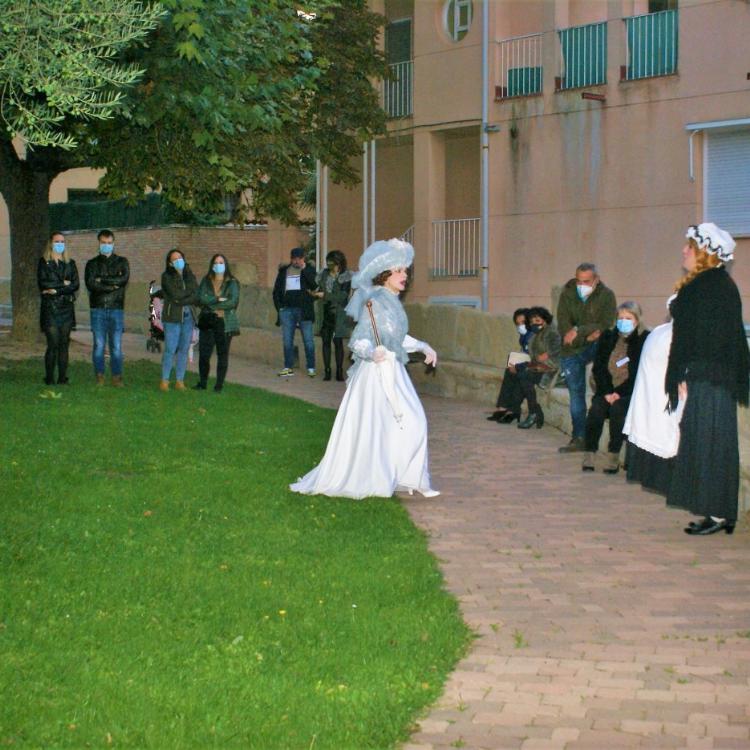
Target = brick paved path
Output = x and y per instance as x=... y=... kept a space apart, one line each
x=600 y=623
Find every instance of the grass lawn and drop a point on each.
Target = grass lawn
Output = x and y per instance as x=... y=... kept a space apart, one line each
x=161 y=587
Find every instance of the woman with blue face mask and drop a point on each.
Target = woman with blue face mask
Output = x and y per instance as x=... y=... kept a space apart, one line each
x=180 y=291
x=219 y=295
x=57 y=277
x=614 y=371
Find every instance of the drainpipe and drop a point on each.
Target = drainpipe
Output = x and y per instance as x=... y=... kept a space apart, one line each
x=485 y=166
x=365 y=181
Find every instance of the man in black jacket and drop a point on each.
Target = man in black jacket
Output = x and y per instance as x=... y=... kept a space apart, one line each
x=106 y=276
x=294 y=302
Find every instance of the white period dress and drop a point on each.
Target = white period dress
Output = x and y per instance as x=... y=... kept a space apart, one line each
x=378 y=443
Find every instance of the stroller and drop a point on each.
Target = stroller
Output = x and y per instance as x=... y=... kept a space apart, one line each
x=156 y=327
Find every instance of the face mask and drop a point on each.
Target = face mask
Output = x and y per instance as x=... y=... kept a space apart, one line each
x=536 y=328
x=584 y=290
x=219 y=268
x=179 y=264
x=625 y=326
x=58 y=247
x=521 y=330
x=106 y=248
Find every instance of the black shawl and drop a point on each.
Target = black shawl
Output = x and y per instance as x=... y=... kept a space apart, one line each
x=708 y=338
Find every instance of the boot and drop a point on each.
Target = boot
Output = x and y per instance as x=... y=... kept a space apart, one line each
x=340 y=374
x=163 y=385
x=612 y=463
x=574 y=446
x=117 y=381
x=99 y=378
x=588 y=461
x=327 y=375
x=179 y=386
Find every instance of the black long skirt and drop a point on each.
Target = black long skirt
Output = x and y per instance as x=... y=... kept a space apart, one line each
x=650 y=471
x=706 y=475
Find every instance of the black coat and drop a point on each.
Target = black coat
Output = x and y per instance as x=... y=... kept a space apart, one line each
x=708 y=336
x=106 y=279
x=59 y=308
x=180 y=289
x=602 y=376
x=307 y=285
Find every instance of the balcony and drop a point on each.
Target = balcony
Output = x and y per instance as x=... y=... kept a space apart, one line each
x=455 y=248
x=652 y=45
x=583 y=56
x=519 y=67
x=397 y=91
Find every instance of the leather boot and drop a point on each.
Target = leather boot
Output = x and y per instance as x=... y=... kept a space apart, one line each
x=117 y=381
x=179 y=386
x=588 y=461
x=327 y=375
x=99 y=379
x=612 y=463
x=163 y=385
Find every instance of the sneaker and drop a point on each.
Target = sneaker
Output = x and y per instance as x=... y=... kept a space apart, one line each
x=311 y=372
x=287 y=372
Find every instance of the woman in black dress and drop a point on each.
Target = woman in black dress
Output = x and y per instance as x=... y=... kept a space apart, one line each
x=57 y=277
x=709 y=367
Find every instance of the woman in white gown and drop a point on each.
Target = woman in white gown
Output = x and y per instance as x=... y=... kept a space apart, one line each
x=378 y=444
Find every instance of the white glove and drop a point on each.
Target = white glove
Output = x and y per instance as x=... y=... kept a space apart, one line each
x=379 y=354
x=430 y=355
x=415 y=345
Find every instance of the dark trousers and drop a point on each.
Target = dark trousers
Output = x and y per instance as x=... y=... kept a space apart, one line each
x=209 y=338
x=516 y=387
x=599 y=411
x=58 y=340
x=326 y=334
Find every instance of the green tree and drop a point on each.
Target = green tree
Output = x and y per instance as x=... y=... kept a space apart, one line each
x=235 y=95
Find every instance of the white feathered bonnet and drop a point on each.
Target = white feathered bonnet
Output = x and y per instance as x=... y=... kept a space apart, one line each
x=713 y=240
x=382 y=255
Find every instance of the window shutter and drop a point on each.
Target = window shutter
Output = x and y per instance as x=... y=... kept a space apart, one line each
x=727 y=180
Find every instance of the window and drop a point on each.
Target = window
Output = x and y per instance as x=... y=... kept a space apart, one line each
x=726 y=179
x=657 y=6
x=457 y=16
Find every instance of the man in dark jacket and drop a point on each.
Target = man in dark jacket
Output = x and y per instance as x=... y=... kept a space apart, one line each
x=107 y=276
x=586 y=309
x=294 y=301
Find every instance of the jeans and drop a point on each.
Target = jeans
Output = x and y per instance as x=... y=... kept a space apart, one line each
x=574 y=368
x=107 y=325
x=291 y=319
x=177 y=338
x=211 y=337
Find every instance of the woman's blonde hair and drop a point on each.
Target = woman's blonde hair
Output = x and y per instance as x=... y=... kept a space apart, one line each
x=49 y=255
x=703 y=262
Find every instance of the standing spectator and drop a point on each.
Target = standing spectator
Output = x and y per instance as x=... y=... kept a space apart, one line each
x=219 y=295
x=501 y=413
x=708 y=369
x=57 y=277
x=335 y=284
x=615 y=369
x=180 y=290
x=293 y=297
x=586 y=309
x=107 y=276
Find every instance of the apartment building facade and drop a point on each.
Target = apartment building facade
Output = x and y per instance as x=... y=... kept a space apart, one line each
x=610 y=125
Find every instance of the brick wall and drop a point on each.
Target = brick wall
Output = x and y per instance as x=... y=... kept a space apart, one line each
x=146 y=249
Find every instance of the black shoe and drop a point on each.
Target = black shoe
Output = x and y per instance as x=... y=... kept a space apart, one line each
x=508 y=417
x=574 y=446
x=62 y=381
x=340 y=376
x=49 y=381
x=218 y=388
x=709 y=526
x=327 y=375
x=530 y=421
x=495 y=416
x=199 y=387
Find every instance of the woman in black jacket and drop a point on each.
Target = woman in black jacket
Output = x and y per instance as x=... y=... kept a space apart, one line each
x=57 y=277
x=614 y=371
x=180 y=291
x=335 y=286
x=708 y=369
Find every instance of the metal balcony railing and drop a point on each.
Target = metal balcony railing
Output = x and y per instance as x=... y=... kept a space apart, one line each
x=519 y=66
x=455 y=248
x=652 y=41
x=397 y=92
x=583 y=56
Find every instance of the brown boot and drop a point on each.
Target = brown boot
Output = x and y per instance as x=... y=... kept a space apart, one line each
x=99 y=379
x=117 y=381
x=179 y=386
x=611 y=463
x=588 y=461
x=163 y=385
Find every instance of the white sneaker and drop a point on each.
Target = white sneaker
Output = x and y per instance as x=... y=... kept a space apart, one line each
x=311 y=372
x=287 y=372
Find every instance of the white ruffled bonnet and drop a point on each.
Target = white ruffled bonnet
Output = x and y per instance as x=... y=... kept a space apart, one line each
x=382 y=255
x=713 y=240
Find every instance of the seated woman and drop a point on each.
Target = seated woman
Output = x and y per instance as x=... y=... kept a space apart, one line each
x=615 y=368
x=520 y=319
x=520 y=380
